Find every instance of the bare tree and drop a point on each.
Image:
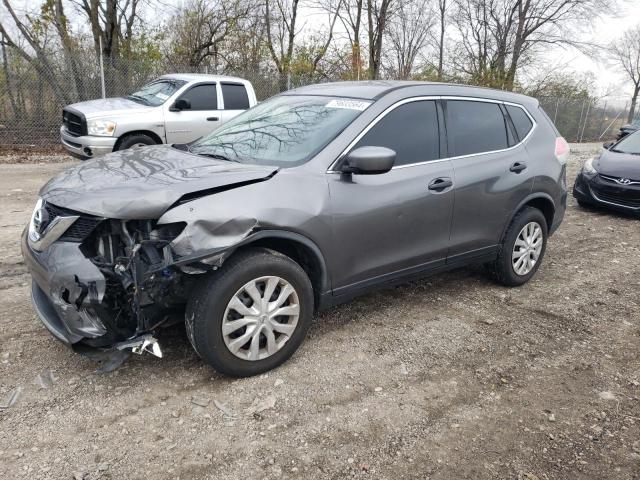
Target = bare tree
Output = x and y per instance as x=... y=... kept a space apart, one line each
x=280 y=21
x=200 y=29
x=35 y=52
x=112 y=24
x=408 y=34
x=626 y=54
x=442 y=11
x=333 y=8
x=498 y=36
x=351 y=18
x=378 y=13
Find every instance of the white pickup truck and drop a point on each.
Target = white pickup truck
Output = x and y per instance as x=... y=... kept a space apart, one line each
x=176 y=108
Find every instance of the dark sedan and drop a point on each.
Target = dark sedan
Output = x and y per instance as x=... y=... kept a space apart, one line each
x=629 y=129
x=612 y=179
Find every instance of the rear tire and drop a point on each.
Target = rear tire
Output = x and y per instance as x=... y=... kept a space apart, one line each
x=135 y=140
x=517 y=263
x=213 y=307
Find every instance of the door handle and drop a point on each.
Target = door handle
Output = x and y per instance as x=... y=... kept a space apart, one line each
x=518 y=167
x=439 y=184
x=212 y=119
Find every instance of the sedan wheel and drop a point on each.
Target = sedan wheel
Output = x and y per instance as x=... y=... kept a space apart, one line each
x=260 y=318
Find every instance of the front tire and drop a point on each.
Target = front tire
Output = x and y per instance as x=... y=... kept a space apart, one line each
x=135 y=140
x=522 y=248
x=252 y=314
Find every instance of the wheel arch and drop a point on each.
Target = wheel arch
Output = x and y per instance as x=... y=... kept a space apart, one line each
x=542 y=202
x=300 y=249
x=148 y=133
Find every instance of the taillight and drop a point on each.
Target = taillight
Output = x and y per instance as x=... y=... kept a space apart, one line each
x=562 y=150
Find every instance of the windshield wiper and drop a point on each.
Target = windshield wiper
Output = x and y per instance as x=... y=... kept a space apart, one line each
x=217 y=156
x=138 y=98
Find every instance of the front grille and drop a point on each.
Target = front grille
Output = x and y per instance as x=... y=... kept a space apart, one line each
x=615 y=181
x=625 y=198
x=74 y=123
x=80 y=229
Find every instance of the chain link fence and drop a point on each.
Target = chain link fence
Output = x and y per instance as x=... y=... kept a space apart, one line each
x=31 y=100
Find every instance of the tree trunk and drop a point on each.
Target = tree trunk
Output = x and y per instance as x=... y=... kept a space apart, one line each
x=634 y=102
x=443 y=9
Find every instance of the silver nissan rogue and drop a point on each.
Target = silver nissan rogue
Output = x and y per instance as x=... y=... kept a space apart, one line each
x=302 y=202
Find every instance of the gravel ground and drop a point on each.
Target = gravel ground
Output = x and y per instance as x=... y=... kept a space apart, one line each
x=446 y=378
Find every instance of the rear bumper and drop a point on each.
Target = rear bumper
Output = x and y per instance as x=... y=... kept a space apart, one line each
x=67 y=290
x=86 y=146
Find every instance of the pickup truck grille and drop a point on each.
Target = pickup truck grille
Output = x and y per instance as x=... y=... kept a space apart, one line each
x=74 y=123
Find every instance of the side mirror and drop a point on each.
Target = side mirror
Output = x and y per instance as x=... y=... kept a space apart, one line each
x=608 y=145
x=180 y=104
x=369 y=161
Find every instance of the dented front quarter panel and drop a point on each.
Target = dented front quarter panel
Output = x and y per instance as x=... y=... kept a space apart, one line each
x=292 y=201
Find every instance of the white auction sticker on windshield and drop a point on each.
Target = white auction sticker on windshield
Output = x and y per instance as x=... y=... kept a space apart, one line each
x=162 y=96
x=348 y=104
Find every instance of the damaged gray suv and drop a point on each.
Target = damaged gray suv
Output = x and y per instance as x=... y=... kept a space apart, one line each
x=302 y=202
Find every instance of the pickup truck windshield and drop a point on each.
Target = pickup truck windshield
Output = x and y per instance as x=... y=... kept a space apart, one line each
x=156 y=93
x=283 y=131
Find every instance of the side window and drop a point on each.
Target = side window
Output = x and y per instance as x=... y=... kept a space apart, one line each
x=475 y=127
x=235 y=96
x=202 y=97
x=520 y=120
x=411 y=130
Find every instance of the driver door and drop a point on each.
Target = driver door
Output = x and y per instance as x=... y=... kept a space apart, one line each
x=396 y=223
x=199 y=119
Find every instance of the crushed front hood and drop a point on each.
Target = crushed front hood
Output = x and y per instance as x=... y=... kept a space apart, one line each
x=143 y=183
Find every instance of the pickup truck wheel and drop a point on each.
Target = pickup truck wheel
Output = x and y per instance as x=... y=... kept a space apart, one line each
x=135 y=140
x=522 y=248
x=252 y=314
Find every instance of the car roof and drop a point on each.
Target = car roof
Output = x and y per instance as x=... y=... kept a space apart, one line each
x=375 y=89
x=203 y=77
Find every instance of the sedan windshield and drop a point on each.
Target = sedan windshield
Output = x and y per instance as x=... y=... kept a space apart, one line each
x=629 y=144
x=156 y=93
x=286 y=130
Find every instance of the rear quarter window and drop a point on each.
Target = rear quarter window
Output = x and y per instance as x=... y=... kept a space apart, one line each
x=521 y=121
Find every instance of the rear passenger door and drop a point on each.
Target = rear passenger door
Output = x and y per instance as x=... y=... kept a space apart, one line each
x=397 y=222
x=491 y=172
x=201 y=118
x=235 y=99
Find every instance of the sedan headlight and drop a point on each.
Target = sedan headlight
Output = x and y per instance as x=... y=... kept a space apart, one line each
x=588 y=167
x=101 y=128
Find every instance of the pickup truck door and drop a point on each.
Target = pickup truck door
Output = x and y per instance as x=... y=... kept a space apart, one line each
x=201 y=118
x=235 y=99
